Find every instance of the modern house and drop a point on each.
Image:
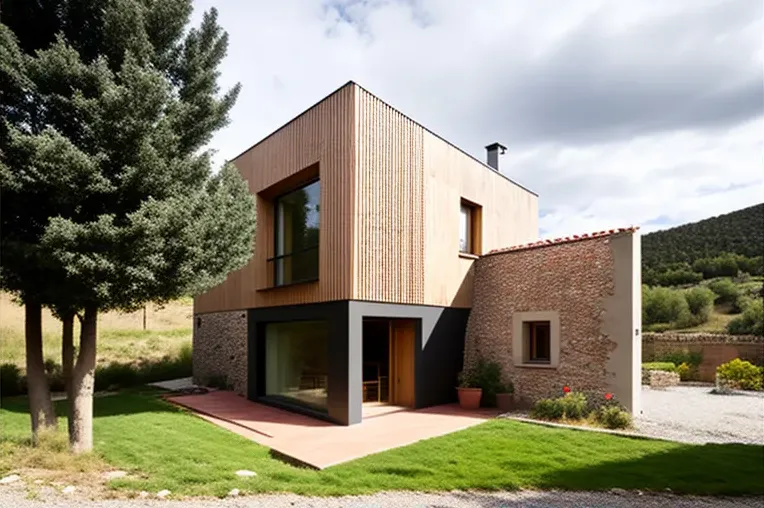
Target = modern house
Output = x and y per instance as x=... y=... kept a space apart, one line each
x=361 y=283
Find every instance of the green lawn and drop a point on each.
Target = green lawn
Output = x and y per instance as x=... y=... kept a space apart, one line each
x=167 y=448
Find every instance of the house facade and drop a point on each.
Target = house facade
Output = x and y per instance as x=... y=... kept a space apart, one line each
x=362 y=279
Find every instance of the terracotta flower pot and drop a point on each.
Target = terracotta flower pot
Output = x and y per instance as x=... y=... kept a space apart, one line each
x=469 y=398
x=505 y=402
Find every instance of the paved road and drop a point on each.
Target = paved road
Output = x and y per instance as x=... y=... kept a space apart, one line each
x=694 y=415
x=16 y=498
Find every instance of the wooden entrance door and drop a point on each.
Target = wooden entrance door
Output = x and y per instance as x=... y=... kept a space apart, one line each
x=402 y=340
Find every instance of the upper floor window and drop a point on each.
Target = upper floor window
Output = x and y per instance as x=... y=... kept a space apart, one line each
x=469 y=228
x=296 y=234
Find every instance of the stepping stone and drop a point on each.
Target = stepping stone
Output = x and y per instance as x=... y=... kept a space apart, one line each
x=163 y=494
x=244 y=472
x=143 y=494
x=69 y=489
x=10 y=479
x=233 y=493
x=111 y=475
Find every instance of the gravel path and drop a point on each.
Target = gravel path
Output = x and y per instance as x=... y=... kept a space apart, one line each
x=693 y=415
x=15 y=497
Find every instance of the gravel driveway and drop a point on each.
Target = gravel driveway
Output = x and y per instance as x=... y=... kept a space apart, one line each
x=13 y=497
x=691 y=414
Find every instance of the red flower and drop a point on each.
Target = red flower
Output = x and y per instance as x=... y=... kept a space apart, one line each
x=566 y=389
x=608 y=396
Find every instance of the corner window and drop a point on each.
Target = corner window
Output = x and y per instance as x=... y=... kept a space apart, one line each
x=538 y=341
x=469 y=228
x=296 y=234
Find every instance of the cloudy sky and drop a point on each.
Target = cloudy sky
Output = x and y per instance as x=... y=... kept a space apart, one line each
x=614 y=112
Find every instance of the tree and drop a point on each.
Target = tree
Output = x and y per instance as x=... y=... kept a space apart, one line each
x=109 y=119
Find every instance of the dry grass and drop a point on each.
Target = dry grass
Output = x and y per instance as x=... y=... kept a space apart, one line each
x=120 y=335
x=50 y=464
x=50 y=455
x=717 y=321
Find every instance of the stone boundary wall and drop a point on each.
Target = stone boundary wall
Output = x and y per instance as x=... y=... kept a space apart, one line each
x=220 y=350
x=715 y=348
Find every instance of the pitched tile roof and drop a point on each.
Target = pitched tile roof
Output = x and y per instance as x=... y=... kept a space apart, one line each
x=567 y=239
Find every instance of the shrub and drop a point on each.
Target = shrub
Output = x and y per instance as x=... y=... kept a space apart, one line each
x=692 y=358
x=664 y=366
x=548 y=409
x=574 y=405
x=678 y=277
x=488 y=377
x=750 y=322
x=11 y=381
x=740 y=374
x=613 y=417
x=684 y=371
x=658 y=327
x=111 y=376
x=468 y=379
x=700 y=300
x=664 y=305
x=726 y=290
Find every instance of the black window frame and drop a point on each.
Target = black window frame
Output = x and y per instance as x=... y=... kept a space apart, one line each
x=274 y=261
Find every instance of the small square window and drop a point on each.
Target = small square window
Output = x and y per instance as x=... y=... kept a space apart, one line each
x=469 y=228
x=538 y=341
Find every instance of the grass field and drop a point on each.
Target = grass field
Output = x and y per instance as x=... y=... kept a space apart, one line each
x=163 y=447
x=121 y=337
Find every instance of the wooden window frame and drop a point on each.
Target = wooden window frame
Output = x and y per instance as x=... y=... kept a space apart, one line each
x=474 y=228
x=533 y=339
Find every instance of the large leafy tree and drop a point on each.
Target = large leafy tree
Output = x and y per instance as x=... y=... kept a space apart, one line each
x=109 y=201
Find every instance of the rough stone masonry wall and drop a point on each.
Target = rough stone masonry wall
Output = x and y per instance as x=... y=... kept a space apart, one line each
x=659 y=378
x=573 y=279
x=715 y=348
x=220 y=350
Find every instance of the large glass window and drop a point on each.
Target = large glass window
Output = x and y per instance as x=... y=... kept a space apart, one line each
x=297 y=363
x=297 y=228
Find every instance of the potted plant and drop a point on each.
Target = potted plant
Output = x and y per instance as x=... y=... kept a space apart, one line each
x=468 y=390
x=505 y=397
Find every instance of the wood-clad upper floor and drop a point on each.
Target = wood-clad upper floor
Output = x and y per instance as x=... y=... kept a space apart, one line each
x=388 y=208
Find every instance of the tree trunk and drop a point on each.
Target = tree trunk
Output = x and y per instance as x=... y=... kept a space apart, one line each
x=40 y=404
x=67 y=361
x=83 y=381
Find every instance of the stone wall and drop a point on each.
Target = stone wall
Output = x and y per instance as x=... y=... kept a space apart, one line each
x=577 y=281
x=659 y=378
x=715 y=348
x=220 y=350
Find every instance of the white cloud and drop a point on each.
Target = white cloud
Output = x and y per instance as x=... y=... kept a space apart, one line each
x=646 y=113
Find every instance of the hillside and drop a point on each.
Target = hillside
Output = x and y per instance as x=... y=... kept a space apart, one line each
x=739 y=232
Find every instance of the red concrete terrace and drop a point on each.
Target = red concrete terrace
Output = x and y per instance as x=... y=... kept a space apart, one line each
x=318 y=444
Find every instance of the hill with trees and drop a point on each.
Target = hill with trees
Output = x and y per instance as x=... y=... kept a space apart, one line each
x=740 y=232
x=706 y=276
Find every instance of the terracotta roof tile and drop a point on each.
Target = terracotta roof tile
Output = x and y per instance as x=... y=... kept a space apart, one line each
x=561 y=240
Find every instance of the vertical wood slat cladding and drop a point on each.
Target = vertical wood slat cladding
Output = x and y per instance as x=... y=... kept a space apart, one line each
x=389 y=205
x=390 y=200
x=324 y=134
